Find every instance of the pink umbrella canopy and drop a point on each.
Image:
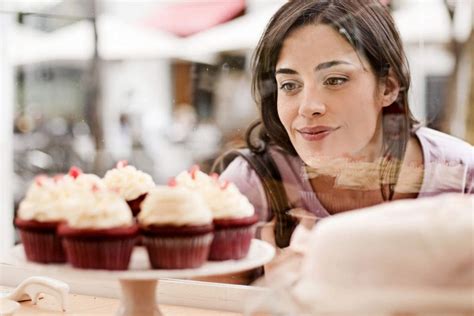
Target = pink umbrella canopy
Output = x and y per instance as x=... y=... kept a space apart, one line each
x=187 y=18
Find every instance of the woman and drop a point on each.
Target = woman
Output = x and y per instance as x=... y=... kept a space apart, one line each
x=331 y=80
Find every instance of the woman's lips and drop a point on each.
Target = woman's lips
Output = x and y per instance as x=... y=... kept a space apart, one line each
x=316 y=133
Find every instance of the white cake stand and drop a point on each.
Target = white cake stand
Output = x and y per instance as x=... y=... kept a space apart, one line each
x=139 y=283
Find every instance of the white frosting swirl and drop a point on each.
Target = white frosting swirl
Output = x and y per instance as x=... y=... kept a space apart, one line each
x=129 y=181
x=174 y=206
x=70 y=186
x=44 y=201
x=223 y=198
x=228 y=202
x=99 y=209
x=194 y=180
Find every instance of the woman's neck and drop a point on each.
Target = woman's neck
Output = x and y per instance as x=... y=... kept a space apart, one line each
x=336 y=199
x=346 y=185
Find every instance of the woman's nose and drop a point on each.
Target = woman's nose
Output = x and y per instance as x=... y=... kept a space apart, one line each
x=311 y=104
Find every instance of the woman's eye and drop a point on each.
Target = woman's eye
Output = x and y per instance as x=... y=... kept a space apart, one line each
x=335 y=81
x=288 y=86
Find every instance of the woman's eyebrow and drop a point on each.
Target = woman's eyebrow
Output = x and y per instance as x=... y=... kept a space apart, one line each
x=286 y=71
x=325 y=65
x=330 y=64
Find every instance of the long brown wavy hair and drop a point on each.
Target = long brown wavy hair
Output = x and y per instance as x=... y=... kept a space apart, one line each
x=369 y=28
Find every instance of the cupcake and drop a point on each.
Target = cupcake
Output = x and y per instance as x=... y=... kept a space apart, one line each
x=132 y=184
x=100 y=233
x=233 y=215
x=76 y=180
x=176 y=225
x=39 y=215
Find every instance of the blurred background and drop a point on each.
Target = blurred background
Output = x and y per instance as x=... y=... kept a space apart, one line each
x=166 y=84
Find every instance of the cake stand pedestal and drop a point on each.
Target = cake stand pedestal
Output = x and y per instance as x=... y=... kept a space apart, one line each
x=138 y=298
x=139 y=283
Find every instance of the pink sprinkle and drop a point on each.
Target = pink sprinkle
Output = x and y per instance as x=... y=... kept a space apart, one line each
x=224 y=184
x=75 y=172
x=194 y=169
x=39 y=179
x=122 y=163
x=95 y=188
x=172 y=182
x=214 y=176
x=58 y=177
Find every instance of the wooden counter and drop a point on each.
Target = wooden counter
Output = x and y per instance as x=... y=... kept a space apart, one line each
x=93 y=305
x=99 y=297
x=98 y=292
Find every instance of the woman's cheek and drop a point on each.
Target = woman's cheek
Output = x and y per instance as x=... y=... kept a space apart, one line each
x=285 y=117
x=360 y=133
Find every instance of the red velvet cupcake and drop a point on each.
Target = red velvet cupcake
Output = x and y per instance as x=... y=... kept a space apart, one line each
x=234 y=217
x=39 y=215
x=232 y=237
x=108 y=249
x=176 y=226
x=100 y=234
x=40 y=241
x=132 y=184
x=171 y=247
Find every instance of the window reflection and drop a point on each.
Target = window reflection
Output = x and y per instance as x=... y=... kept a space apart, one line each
x=165 y=110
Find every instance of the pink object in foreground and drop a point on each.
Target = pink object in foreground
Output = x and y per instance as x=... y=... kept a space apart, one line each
x=194 y=16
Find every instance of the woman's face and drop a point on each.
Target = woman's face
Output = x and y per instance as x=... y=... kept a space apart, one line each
x=329 y=100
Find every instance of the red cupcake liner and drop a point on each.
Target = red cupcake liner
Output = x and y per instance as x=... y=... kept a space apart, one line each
x=178 y=252
x=108 y=249
x=99 y=254
x=40 y=241
x=232 y=242
x=171 y=247
x=135 y=204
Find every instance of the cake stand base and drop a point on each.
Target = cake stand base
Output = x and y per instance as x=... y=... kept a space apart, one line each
x=138 y=298
x=139 y=282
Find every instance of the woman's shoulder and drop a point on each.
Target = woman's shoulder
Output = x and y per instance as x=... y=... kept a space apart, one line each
x=438 y=136
x=248 y=182
x=284 y=159
x=279 y=157
x=448 y=161
x=444 y=147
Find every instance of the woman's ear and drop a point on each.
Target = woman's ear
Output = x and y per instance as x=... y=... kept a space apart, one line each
x=390 y=88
